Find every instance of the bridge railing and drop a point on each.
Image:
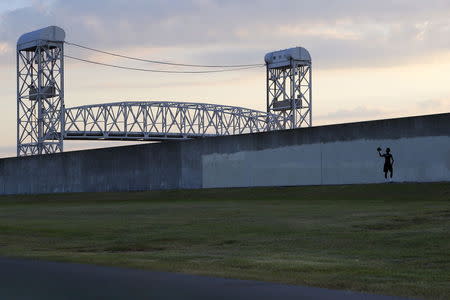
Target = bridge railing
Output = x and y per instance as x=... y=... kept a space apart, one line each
x=159 y=120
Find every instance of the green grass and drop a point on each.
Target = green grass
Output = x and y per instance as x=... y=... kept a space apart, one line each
x=389 y=239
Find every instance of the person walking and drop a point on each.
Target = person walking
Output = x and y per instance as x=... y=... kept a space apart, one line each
x=388 y=163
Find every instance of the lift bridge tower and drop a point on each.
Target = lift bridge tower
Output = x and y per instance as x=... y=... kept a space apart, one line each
x=40 y=92
x=289 y=86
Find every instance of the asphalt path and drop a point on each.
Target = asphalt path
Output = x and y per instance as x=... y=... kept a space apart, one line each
x=32 y=279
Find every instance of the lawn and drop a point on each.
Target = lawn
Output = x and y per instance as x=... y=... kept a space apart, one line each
x=389 y=239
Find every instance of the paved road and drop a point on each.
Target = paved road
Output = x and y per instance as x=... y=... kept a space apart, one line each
x=29 y=279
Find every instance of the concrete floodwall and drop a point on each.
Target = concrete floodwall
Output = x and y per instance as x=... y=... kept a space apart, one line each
x=335 y=154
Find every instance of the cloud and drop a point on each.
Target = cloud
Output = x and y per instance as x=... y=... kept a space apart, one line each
x=364 y=113
x=8 y=151
x=433 y=105
x=4 y=48
x=355 y=114
x=339 y=34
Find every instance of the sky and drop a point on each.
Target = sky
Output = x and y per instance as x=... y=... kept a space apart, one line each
x=371 y=59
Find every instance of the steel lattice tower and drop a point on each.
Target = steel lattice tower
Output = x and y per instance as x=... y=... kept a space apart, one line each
x=40 y=92
x=289 y=86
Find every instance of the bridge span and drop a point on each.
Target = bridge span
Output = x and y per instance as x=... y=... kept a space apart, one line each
x=164 y=120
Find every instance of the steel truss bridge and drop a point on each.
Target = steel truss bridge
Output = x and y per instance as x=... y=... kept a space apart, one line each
x=43 y=121
x=161 y=120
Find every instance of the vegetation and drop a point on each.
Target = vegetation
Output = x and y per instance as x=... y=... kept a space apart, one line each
x=388 y=239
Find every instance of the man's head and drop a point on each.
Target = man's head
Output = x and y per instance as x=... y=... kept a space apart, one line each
x=388 y=150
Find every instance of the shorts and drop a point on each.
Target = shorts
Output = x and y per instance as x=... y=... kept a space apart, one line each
x=387 y=168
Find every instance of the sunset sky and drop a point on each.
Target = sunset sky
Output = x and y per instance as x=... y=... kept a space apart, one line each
x=371 y=59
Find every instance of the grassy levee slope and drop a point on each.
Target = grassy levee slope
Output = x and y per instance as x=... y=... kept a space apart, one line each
x=389 y=239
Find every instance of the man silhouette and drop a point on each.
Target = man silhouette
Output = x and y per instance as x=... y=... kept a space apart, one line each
x=388 y=162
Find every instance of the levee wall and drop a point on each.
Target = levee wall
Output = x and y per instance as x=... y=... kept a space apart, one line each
x=335 y=154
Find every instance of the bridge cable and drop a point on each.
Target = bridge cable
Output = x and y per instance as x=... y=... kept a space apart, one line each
x=163 y=62
x=162 y=71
